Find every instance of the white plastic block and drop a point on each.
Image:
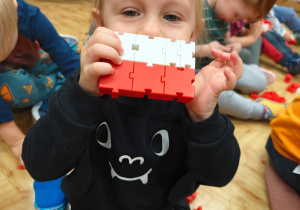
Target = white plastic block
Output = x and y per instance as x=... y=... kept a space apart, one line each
x=172 y=52
x=298 y=90
x=149 y=50
x=162 y=51
x=128 y=41
x=187 y=53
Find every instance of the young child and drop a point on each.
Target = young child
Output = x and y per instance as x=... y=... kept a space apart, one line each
x=283 y=146
x=34 y=61
x=27 y=74
x=289 y=17
x=218 y=15
x=136 y=153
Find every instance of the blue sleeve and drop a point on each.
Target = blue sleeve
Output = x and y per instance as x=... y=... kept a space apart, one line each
x=34 y=25
x=6 y=114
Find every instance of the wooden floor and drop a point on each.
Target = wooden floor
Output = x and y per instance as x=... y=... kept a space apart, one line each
x=246 y=191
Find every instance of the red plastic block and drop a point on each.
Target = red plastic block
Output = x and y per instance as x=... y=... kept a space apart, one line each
x=136 y=79
x=178 y=84
x=191 y=197
x=293 y=42
x=118 y=83
x=199 y=208
x=147 y=80
x=254 y=95
x=272 y=95
x=293 y=87
x=288 y=78
x=267 y=25
x=21 y=167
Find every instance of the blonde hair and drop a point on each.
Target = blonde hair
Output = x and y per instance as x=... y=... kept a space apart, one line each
x=261 y=6
x=199 y=23
x=8 y=28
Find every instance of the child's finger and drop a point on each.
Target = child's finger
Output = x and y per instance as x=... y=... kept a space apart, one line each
x=216 y=53
x=237 y=64
x=109 y=38
x=100 y=51
x=230 y=77
x=89 y=79
x=223 y=58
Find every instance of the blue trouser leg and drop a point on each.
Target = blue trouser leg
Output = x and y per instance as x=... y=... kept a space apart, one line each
x=27 y=87
x=288 y=16
x=279 y=43
x=48 y=195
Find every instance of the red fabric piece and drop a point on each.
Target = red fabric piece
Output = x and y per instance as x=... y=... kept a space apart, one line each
x=272 y=95
x=269 y=50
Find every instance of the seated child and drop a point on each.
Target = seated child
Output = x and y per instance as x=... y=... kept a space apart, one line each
x=27 y=73
x=217 y=20
x=136 y=153
x=34 y=61
x=283 y=145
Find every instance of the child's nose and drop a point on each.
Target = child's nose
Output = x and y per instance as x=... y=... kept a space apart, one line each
x=152 y=29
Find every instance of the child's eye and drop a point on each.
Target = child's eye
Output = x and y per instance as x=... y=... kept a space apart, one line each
x=130 y=13
x=171 y=17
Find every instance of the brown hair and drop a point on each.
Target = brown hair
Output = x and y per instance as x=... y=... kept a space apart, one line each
x=262 y=6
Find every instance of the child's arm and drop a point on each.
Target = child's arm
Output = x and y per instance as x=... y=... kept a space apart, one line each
x=34 y=25
x=231 y=44
x=73 y=115
x=220 y=75
x=13 y=137
x=250 y=35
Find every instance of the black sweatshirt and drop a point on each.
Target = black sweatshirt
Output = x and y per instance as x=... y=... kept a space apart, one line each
x=128 y=153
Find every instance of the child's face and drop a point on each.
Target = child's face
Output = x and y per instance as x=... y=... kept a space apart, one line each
x=233 y=10
x=173 y=19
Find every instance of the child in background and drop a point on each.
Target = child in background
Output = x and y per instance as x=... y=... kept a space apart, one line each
x=274 y=46
x=34 y=61
x=278 y=27
x=27 y=74
x=283 y=145
x=218 y=15
x=288 y=16
x=275 y=41
x=136 y=153
x=249 y=38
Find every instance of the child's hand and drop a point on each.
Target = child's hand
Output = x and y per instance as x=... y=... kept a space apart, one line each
x=220 y=75
x=234 y=46
x=17 y=150
x=204 y=50
x=103 y=44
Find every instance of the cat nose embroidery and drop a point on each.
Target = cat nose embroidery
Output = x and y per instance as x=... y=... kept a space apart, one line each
x=130 y=160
